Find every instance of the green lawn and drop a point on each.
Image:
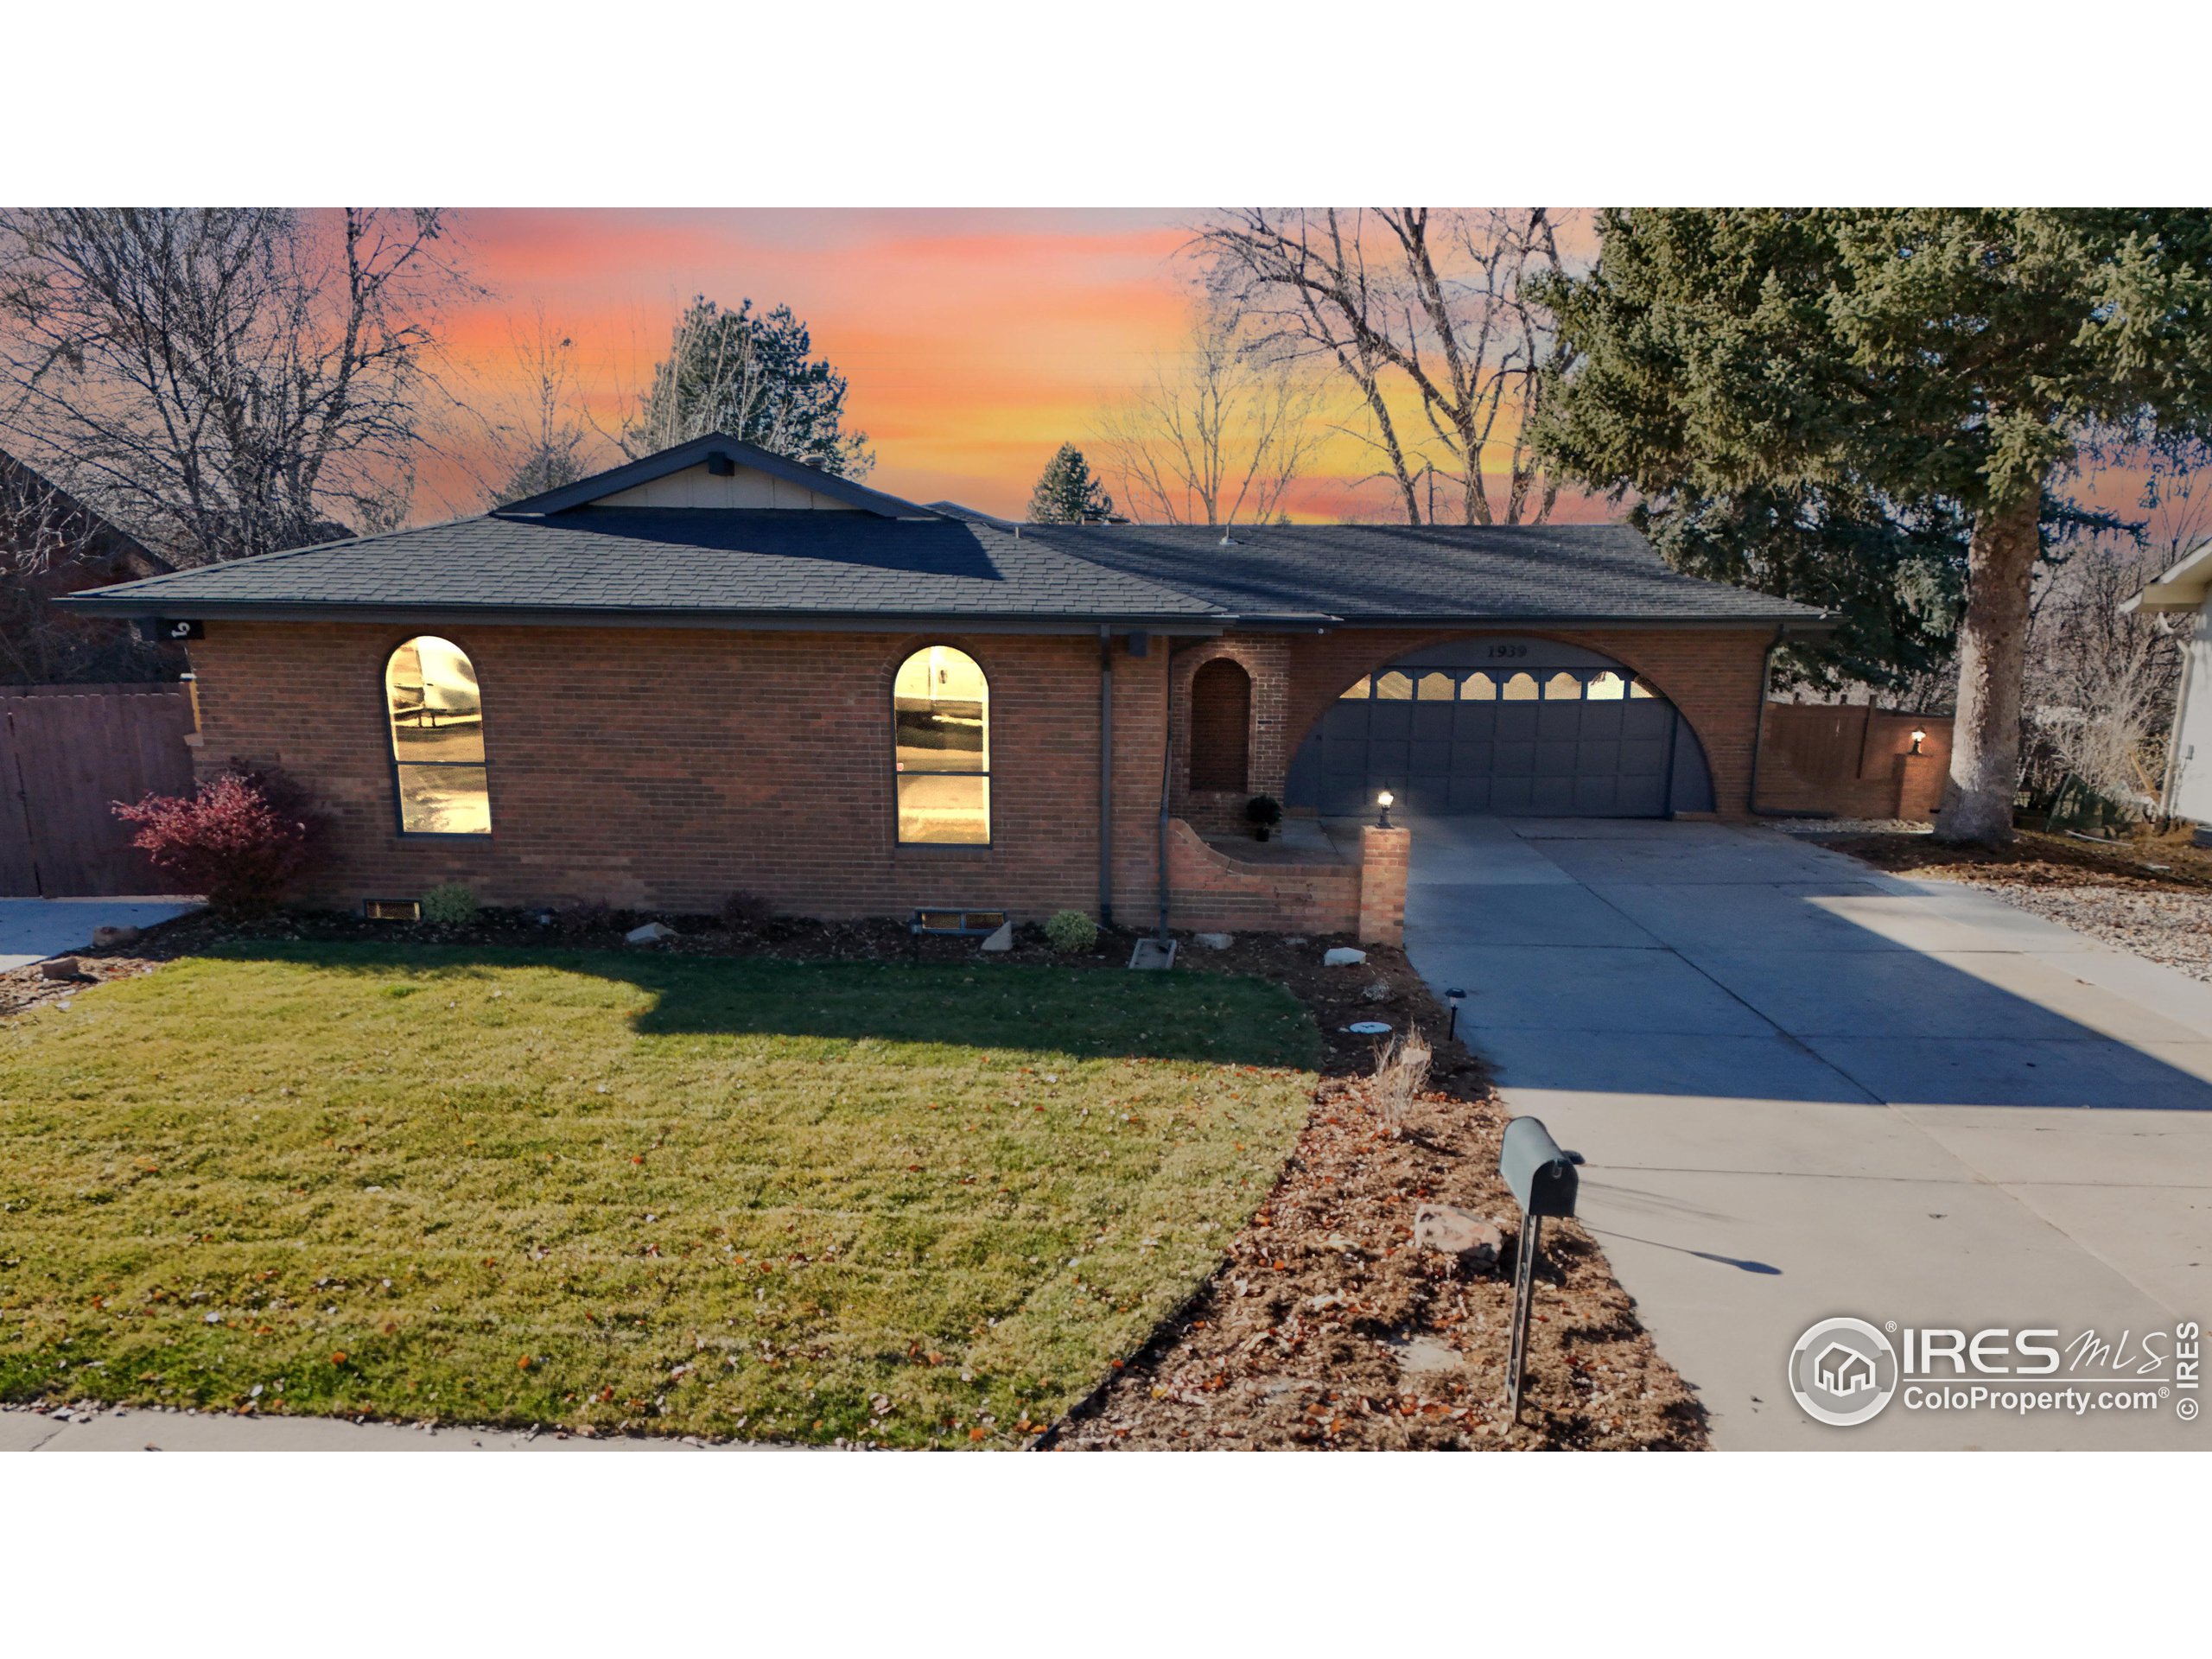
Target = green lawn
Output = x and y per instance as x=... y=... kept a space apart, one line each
x=694 y=1195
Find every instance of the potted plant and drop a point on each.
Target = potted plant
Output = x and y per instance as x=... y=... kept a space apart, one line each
x=1263 y=812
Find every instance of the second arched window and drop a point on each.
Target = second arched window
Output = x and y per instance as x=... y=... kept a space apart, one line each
x=941 y=733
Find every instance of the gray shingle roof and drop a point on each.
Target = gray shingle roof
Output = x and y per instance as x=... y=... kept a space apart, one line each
x=1392 y=573
x=674 y=562
x=603 y=563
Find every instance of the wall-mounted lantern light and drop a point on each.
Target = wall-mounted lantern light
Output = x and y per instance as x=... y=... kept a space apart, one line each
x=1918 y=738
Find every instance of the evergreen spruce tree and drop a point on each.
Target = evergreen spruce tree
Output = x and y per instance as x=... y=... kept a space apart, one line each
x=750 y=375
x=1882 y=385
x=1066 y=493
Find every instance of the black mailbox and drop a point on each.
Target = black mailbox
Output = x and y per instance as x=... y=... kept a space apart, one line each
x=1542 y=1177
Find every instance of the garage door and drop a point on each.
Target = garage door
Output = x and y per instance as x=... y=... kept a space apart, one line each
x=1514 y=728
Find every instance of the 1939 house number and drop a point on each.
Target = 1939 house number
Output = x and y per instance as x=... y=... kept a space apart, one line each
x=1505 y=651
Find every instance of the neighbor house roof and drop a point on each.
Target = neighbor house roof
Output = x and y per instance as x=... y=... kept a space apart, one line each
x=853 y=556
x=93 y=541
x=2181 y=586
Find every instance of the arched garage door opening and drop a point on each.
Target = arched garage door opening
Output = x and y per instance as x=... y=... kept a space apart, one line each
x=1517 y=727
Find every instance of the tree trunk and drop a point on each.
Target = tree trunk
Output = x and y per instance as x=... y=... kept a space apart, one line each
x=1993 y=650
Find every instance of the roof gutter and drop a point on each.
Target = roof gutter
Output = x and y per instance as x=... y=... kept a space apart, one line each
x=136 y=606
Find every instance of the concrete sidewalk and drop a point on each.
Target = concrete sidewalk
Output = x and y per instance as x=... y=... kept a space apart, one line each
x=136 y=1429
x=1805 y=1088
x=31 y=930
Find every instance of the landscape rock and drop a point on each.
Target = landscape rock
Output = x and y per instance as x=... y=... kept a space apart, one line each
x=1001 y=940
x=651 y=933
x=1454 y=1231
x=105 y=936
x=1376 y=990
x=1343 y=955
x=59 y=968
x=1213 y=941
x=1426 y=1356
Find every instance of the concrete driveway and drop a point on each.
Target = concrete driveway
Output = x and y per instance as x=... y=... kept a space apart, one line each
x=1805 y=1088
x=32 y=929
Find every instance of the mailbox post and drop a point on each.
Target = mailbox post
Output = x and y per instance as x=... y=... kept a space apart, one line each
x=1542 y=1180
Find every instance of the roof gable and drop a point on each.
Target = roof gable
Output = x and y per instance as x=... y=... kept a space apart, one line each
x=717 y=472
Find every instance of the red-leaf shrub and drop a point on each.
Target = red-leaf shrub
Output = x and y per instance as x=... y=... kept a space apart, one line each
x=241 y=838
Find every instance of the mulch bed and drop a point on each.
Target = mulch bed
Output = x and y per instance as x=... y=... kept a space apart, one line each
x=2041 y=859
x=1323 y=1327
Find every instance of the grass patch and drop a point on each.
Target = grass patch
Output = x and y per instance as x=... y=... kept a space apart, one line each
x=899 y=1203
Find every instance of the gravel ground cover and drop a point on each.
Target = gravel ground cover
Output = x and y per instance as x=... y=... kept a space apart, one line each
x=2151 y=896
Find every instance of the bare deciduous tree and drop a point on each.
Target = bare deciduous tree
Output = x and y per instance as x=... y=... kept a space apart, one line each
x=1430 y=299
x=537 y=437
x=1220 y=432
x=226 y=381
x=2098 y=689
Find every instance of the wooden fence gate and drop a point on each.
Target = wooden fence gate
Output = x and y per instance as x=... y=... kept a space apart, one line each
x=66 y=751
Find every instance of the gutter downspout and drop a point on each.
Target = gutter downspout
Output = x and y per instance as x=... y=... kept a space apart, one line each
x=1166 y=773
x=1105 y=776
x=2171 y=780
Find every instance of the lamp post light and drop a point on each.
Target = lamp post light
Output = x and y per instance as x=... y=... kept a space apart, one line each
x=1455 y=996
x=1383 y=801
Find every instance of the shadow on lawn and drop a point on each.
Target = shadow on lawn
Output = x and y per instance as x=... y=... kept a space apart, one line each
x=1083 y=1011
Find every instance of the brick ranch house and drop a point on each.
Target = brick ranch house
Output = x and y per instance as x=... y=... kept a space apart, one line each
x=716 y=670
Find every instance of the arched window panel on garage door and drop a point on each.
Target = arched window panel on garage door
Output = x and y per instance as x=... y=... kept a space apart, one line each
x=1537 y=728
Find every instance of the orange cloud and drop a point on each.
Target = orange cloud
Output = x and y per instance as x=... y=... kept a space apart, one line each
x=975 y=341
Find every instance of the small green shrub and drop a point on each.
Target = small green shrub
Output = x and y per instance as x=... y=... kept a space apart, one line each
x=450 y=904
x=1071 y=931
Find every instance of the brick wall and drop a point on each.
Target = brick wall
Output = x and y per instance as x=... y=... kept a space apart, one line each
x=1711 y=675
x=1383 y=857
x=665 y=768
x=1855 y=761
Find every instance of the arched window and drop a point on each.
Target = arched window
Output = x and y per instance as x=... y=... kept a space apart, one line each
x=1221 y=726
x=437 y=740
x=941 y=733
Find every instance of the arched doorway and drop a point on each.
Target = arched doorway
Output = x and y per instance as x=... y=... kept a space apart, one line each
x=1508 y=725
x=1221 y=726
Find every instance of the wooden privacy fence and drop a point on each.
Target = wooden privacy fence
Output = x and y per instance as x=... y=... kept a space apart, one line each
x=1852 y=761
x=66 y=751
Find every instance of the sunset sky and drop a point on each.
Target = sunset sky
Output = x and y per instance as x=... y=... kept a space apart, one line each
x=977 y=341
